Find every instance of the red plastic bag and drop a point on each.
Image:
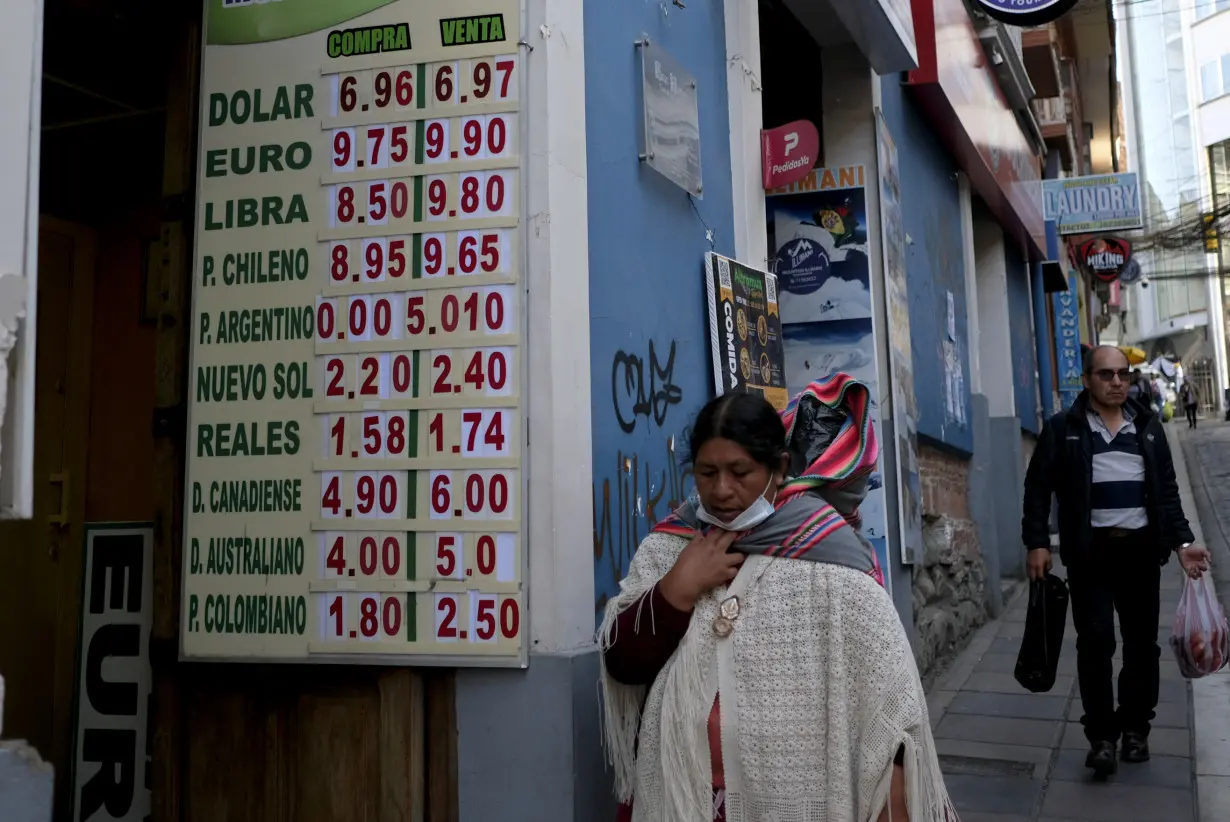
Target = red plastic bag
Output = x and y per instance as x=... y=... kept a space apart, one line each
x=1201 y=638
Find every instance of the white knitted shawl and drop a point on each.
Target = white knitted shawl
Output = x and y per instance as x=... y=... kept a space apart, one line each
x=819 y=689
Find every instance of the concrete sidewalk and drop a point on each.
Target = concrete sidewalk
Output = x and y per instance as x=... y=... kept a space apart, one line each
x=1012 y=756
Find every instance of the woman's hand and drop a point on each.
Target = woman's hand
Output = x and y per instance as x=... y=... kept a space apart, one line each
x=703 y=566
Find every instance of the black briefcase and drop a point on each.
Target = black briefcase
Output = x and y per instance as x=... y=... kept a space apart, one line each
x=1038 y=660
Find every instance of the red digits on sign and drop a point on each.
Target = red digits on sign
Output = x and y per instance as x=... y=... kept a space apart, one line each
x=368 y=624
x=469 y=194
x=336 y=560
x=481 y=86
x=433 y=256
x=345 y=204
x=485 y=555
x=341 y=262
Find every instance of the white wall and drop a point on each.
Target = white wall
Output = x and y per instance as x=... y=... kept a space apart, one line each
x=994 y=331
x=746 y=120
x=20 y=105
x=559 y=457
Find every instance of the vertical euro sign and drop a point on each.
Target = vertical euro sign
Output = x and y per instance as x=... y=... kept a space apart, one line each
x=792 y=142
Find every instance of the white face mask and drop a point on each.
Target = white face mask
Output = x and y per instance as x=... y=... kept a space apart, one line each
x=757 y=512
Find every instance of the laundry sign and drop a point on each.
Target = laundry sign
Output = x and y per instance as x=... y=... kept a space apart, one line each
x=114 y=676
x=1090 y=205
x=1025 y=12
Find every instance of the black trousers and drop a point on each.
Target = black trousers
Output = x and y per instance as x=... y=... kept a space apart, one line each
x=1191 y=415
x=1118 y=574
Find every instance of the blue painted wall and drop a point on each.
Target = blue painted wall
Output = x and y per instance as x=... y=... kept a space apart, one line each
x=1042 y=340
x=935 y=266
x=649 y=329
x=1024 y=351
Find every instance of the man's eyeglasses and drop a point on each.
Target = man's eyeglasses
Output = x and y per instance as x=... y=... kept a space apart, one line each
x=1108 y=374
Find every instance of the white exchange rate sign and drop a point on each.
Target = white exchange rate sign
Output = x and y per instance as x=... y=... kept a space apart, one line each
x=355 y=423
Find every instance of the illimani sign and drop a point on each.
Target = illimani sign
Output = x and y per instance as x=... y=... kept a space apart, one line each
x=1025 y=12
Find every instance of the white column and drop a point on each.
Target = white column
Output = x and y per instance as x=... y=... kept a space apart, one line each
x=21 y=62
x=746 y=121
x=560 y=502
x=994 y=334
x=971 y=282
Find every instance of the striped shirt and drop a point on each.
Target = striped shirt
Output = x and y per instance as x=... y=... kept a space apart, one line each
x=1117 y=497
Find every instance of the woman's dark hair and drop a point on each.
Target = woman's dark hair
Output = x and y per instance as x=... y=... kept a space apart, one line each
x=747 y=419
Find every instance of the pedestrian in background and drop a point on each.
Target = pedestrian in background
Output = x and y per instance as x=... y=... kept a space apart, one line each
x=1159 y=394
x=1107 y=462
x=1136 y=389
x=1191 y=401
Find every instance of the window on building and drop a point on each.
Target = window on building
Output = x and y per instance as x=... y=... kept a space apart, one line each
x=1204 y=8
x=1210 y=81
x=1222 y=5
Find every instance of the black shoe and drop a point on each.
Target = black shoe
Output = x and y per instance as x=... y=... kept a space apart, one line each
x=1135 y=748
x=1102 y=759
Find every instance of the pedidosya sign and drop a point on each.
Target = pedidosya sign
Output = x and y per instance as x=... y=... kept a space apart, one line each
x=1026 y=12
x=1106 y=257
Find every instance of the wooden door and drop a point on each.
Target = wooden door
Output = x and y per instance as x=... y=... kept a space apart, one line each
x=40 y=559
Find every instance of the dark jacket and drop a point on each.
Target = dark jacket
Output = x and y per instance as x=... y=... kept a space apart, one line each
x=1062 y=464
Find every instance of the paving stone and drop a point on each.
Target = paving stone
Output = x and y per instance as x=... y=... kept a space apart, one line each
x=989 y=794
x=1169 y=714
x=1039 y=757
x=1005 y=730
x=1022 y=706
x=1214 y=798
x=1003 y=645
x=1002 y=663
x=1161 y=771
x=1172 y=691
x=1007 y=684
x=1115 y=801
x=1162 y=741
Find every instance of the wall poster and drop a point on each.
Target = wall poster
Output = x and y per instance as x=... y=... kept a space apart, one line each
x=745 y=330
x=818 y=236
x=901 y=356
x=114 y=676
x=355 y=425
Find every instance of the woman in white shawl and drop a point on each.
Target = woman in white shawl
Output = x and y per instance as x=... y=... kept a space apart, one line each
x=754 y=668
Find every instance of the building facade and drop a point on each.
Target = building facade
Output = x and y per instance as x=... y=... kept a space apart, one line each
x=934 y=136
x=1172 y=77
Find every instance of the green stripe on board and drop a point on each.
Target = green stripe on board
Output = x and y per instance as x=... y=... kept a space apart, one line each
x=418 y=203
x=412 y=567
x=412 y=619
x=420 y=130
x=412 y=496
x=418 y=357
x=421 y=93
x=416 y=269
x=412 y=434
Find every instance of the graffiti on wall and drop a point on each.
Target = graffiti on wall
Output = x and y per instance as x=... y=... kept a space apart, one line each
x=647 y=478
x=631 y=500
x=643 y=387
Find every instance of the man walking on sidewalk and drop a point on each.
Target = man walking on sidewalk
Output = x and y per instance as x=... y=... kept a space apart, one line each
x=1191 y=401
x=1107 y=461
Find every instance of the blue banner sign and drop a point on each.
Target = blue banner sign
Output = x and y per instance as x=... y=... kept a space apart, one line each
x=1089 y=205
x=1068 y=337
